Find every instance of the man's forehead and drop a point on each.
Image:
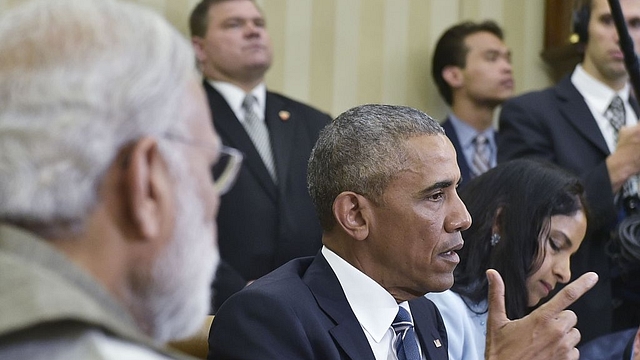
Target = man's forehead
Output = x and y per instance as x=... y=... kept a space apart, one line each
x=485 y=40
x=234 y=9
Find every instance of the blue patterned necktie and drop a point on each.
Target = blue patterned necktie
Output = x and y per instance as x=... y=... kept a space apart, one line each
x=406 y=343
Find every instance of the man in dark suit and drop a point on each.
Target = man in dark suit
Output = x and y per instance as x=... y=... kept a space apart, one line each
x=268 y=218
x=472 y=70
x=383 y=179
x=570 y=124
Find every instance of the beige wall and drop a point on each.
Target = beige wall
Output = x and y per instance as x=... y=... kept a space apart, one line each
x=336 y=54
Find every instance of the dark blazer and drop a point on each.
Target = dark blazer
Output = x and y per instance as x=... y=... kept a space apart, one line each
x=556 y=124
x=262 y=225
x=299 y=311
x=465 y=169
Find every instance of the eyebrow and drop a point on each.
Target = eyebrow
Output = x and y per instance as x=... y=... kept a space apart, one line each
x=499 y=52
x=439 y=185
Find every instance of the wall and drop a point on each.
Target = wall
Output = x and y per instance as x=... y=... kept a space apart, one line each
x=336 y=54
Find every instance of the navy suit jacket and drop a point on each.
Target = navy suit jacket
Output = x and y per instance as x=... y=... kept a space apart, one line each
x=556 y=124
x=465 y=169
x=262 y=225
x=299 y=311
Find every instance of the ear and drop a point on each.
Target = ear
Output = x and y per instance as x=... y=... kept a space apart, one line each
x=351 y=212
x=198 y=48
x=150 y=190
x=453 y=76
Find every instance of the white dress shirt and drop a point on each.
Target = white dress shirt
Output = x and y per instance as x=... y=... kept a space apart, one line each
x=598 y=96
x=372 y=305
x=234 y=96
x=466 y=136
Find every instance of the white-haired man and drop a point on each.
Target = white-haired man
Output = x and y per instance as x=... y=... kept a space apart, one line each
x=107 y=205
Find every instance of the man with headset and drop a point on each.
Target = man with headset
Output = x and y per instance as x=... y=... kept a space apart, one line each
x=587 y=123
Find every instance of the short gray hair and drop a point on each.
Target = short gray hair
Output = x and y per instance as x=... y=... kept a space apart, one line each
x=361 y=151
x=79 y=79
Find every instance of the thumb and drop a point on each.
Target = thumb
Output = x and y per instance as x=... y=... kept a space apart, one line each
x=636 y=346
x=497 y=316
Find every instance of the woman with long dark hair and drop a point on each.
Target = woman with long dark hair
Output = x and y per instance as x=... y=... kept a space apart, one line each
x=529 y=217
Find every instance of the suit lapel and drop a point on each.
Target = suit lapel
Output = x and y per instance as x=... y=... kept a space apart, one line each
x=281 y=124
x=465 y=171
x=575 y=110
x=431 y=339
x=233 y=134
x=347 y=333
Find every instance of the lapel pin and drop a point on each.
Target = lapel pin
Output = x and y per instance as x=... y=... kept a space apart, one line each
x=437 y=343
x=284 y=115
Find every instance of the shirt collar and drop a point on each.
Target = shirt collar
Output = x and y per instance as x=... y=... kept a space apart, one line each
x=372 y=305
x=234 y=96
x=467 y=133
x=596 y=93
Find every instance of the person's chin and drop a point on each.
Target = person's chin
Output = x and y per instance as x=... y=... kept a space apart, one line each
x=445 y=283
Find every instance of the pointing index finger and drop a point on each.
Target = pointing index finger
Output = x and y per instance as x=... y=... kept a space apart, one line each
x=570 y=293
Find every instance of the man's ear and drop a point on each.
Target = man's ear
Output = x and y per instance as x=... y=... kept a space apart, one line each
x=149 y=189
x=198 y=48
x=453 y=76
x=352 y=211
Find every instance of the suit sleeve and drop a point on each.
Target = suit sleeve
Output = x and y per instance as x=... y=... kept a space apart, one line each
x=522 y=135
x=254 y=325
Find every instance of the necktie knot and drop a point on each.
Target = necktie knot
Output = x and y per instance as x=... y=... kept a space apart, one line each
x=402 y=322
x=480 y=139
x=247 y=103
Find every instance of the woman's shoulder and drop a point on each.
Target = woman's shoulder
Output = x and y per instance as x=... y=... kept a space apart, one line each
x=446 y=299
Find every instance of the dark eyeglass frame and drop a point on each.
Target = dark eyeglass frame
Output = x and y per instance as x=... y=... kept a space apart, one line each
x=225 y=171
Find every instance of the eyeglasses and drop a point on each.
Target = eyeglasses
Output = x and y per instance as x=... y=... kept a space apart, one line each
x=225 y=171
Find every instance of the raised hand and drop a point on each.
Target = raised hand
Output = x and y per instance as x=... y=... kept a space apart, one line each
x=547 y=333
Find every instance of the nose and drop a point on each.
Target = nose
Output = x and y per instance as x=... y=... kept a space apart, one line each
x=506 y=65
x=251 y=29
x=562 y=270
x=459 y=218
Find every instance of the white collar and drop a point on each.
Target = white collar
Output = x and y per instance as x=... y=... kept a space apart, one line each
x=596 y=93
x=234 y=96
x=373 y=306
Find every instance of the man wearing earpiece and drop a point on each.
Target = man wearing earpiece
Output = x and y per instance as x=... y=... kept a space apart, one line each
x=268 y=219
x=587 y=123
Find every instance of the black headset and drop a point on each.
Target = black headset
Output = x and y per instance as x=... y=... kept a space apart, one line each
x=581 y=15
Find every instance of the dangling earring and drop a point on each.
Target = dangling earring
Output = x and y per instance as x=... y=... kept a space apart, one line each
x=495 y=238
